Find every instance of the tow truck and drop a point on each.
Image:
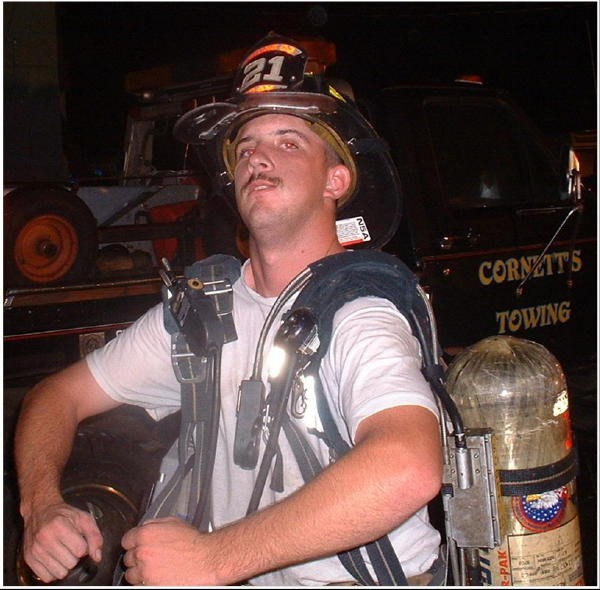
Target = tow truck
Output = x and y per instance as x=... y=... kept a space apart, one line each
x=493 y=223
x=500 y=231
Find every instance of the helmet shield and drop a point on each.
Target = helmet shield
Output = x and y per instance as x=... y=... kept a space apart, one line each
x=272 y=80
x=274 y=64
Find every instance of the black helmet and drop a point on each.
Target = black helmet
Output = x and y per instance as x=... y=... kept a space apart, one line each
x=272 y=79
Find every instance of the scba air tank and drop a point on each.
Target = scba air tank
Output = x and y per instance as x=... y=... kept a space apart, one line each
x=518 y=388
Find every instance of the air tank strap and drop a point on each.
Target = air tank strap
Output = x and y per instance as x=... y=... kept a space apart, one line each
x=535 y=480
x=198 y=313
x=336 y=280
x=381 y=552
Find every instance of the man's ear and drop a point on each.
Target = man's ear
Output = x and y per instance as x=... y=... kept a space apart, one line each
x=338 y=182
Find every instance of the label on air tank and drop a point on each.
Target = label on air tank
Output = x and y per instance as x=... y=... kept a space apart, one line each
x=550 y=558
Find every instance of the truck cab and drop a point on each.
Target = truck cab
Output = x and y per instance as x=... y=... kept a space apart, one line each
x=498 y=237
x=496 y=227
x=493 y=222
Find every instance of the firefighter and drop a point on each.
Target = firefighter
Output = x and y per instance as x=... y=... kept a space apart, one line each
x=296 y=153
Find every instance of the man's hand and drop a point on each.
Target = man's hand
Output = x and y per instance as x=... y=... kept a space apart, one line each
x=57 y=538
x=168 y=552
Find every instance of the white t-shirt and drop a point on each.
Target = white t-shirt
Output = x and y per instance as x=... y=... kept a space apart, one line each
x=373 y=363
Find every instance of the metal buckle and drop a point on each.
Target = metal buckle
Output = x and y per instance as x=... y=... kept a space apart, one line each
x=188 y=367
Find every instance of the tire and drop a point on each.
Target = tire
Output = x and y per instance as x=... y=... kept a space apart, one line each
x=50 y=236
x=114 y=462
x=114 y=514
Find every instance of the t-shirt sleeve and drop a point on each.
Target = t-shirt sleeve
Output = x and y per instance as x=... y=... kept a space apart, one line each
x=135 y=367
x=375 y=362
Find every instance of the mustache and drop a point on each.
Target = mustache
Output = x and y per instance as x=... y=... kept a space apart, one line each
x=274 y=180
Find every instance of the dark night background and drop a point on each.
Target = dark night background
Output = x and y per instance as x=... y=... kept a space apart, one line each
x=543 y=53
x=65 y=65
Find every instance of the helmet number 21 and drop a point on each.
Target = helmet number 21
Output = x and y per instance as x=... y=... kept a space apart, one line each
x=255 y=71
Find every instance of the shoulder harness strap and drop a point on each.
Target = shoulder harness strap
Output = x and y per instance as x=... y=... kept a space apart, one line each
x=335 y=281
x=344 y=277
x=198 y=315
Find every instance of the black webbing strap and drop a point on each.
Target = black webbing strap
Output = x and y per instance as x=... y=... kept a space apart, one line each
x=381 y=553
x=337 y=280
x=310 y=466
x=198 y=314
x=343 y=277
x=195 y=462
x=535 y=480
x=386 y=563
x=163 y=503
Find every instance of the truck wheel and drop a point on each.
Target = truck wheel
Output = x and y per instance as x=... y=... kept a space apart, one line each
x=114 y=462
x=114 y=514
x=49 y=236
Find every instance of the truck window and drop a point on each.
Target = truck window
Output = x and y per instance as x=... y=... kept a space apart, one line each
x=168 y=153
x=545 y=182
x=484 y=158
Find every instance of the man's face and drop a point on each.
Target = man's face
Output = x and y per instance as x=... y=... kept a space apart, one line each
x=281 y=172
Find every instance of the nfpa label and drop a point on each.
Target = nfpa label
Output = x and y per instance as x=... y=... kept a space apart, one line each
x=352 y=231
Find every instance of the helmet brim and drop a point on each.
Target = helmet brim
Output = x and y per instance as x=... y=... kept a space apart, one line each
x=205 y=122
x=376 y=200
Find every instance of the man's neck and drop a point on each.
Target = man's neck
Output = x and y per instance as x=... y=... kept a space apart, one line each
x=271 y=269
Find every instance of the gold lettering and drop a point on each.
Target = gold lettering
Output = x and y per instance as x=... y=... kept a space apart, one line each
x=499 y=271
x=552 y=313
x=564 y=311
x=561 y=258
x=515 y=320
x=512 y=268
x=577 y=261
x=539 y=270
x=548 y=261
x=526 y=263
x=484 y=267
x=527 y=318
x=531 y=317
x=501 y=317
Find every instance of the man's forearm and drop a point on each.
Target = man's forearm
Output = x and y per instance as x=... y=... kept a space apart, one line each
x=328 y=515
x=363 y=496
x=43 y=441
x=304 y=526
x=51 y=413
